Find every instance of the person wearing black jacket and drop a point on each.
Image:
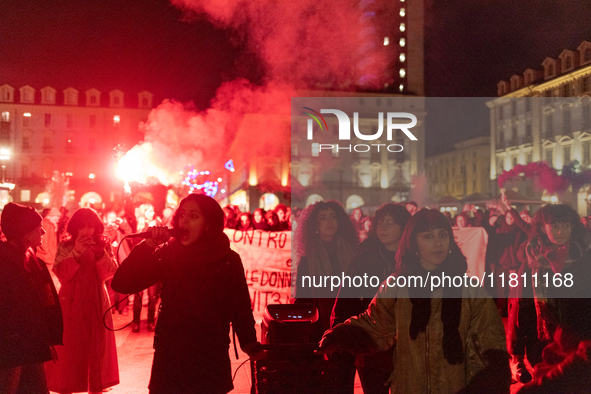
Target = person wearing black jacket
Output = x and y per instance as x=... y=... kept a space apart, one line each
x=203 y=290
x=376 y=258
x=30 y=313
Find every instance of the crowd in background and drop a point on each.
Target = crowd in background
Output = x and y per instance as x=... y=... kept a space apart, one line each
x=547 y=332
x=277 y=219
x=548 y=329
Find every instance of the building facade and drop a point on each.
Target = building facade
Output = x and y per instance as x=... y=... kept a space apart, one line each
x=395 y=31
x=461 y=172
x=545 y=115
x=45 y=132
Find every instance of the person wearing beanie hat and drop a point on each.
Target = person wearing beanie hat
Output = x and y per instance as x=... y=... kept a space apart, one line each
x=18 y=220
x=31 y=319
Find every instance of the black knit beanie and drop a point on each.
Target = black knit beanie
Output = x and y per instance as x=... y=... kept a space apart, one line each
x=18 y=220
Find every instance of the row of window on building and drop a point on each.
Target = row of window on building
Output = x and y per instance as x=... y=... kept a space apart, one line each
x=550 y=156
x=48 y=96
x=48 y=142
x=566 y=62
x=453 y=187
x=27 y=120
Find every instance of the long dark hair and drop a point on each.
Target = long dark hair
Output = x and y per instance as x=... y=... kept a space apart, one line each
x=214 y=215
x=558 y=213
x=407 y=258
x=84 y=217
x=307 y=228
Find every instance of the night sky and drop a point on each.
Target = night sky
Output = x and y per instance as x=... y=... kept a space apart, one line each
x=134 y=45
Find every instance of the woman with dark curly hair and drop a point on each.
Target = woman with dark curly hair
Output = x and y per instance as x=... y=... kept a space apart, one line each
x=448 y=339
x=326 y=242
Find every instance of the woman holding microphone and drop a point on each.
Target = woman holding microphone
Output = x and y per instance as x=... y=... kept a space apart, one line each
x=203 y=291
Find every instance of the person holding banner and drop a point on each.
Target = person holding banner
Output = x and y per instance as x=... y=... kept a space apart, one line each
x=326 y=243
x=204 y=290
x=448 y=339
x=376 y=258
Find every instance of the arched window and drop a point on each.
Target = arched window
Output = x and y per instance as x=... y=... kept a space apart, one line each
x=354 y=201
x=313 y=199
x=268 y=201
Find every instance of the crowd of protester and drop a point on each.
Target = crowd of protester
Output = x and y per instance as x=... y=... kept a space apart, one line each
x=277 y=219
x=59 y=274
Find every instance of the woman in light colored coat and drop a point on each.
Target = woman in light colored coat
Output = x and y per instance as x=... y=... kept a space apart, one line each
x=88 y=359
x=449 y=340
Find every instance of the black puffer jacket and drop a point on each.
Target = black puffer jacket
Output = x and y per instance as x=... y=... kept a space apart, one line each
x=202 y=293
x=30 y=312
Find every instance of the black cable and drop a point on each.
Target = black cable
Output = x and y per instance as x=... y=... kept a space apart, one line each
x=121 y=300
x=236 y=372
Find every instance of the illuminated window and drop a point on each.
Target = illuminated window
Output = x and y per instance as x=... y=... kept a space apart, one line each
x=402 y=42
x=69 y=145
x=26 y=119
x=402 y=73
x=116 y=120
x=386 y=41
x=6 y=116
x=402 y=57
x=402 y=26
x=315 y=149
x=25 y=194
x=402 y=12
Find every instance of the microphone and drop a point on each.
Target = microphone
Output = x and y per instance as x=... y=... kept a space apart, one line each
x=174 y=232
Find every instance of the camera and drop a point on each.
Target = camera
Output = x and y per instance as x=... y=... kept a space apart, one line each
x=100 y=241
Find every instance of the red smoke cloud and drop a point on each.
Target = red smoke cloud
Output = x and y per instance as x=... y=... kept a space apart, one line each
x=305 y=44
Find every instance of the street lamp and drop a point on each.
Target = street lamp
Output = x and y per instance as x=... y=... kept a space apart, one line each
x=4 y=157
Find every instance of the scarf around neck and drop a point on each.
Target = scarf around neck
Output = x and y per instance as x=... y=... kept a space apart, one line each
x=451 y=311
x=319 y=262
